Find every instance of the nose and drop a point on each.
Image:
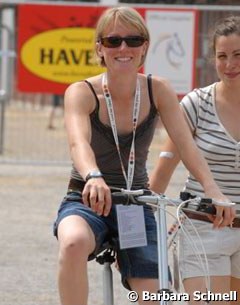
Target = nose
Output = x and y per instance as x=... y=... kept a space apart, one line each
x=123 y=45
x=230 y=63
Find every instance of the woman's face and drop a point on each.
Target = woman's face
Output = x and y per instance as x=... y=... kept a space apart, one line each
x=123 y=58
x=227 y=58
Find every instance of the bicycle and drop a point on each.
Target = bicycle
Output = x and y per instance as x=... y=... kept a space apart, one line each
x=188 y=204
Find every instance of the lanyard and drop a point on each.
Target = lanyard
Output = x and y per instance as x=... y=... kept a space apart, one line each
x=136 y=107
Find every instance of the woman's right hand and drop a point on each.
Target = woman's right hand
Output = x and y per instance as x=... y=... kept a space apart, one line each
x=97 y=195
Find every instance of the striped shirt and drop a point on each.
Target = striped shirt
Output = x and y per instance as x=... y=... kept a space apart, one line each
x=220 y=149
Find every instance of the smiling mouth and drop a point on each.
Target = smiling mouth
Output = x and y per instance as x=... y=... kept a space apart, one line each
x=232 y=75
x=123 y=59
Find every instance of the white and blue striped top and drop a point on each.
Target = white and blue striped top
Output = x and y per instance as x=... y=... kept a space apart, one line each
x=220 y=149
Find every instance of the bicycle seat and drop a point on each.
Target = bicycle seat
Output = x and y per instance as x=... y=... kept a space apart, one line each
x=107 y=252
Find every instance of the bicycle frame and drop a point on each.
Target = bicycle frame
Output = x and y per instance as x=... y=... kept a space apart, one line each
x=161 y=202
x=162 y=246
x=108 y=284
x=106 y=259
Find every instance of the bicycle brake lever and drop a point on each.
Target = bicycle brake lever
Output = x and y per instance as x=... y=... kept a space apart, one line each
x=223 y=204
x=132 y=192
x=126 y=198
x=215 y=202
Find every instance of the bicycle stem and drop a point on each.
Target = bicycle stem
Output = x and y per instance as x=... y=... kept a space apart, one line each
x=162 y=246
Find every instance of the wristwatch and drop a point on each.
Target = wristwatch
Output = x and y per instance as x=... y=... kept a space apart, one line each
x=93 y=174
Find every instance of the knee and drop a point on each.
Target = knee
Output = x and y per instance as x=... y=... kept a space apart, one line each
x=75 y=248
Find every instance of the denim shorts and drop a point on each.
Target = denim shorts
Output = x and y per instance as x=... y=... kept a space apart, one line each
x=139 y=262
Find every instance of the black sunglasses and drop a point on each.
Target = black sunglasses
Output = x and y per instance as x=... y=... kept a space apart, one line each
x=116 y=41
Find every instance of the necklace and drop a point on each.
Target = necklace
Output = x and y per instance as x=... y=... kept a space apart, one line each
x=136 y=108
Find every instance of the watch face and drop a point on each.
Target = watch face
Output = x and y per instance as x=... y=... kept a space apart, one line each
x=95 y=174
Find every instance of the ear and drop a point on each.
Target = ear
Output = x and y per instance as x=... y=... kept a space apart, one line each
x=99 y=49
x=145 y=48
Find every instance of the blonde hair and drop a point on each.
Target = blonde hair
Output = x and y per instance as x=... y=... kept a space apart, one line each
x=126 y=16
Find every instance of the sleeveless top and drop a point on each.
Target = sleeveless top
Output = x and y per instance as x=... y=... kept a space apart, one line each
x=220 y=149
x=104 y=147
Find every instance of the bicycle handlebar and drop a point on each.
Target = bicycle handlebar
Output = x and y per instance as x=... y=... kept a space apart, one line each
x=143 y=196
x=186 y=196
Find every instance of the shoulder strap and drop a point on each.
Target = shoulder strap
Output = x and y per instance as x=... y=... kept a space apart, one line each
x=93 y=91
x=149 y=82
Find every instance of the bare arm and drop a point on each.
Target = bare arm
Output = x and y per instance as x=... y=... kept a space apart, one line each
x=79 y=103
x=161 y=174
x=78 y=106
x=179 y=132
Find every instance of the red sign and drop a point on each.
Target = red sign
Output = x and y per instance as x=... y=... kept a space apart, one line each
x=54 y=44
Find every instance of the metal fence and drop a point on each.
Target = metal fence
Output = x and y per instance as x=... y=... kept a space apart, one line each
x=27 y=138
x=28 y=135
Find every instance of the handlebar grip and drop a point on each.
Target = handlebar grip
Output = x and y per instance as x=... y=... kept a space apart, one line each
x=186 y=196
x=120 y=198
x=206 y=200
x=209 y=209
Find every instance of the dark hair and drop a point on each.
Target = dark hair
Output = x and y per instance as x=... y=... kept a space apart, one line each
x=224 y=27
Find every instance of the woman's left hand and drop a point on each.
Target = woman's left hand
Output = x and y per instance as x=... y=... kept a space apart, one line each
x=224 y=216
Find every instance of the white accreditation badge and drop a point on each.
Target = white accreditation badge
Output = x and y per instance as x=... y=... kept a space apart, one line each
x=131 y=226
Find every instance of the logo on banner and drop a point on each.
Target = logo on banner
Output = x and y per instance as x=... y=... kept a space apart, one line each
x=63 y=55
x=172 y=47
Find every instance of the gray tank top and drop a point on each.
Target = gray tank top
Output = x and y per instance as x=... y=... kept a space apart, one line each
x=106 y=154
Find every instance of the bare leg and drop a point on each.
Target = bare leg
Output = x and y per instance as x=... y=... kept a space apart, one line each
x=140 y=285
x=235 y=286
x=218 y=284
x=76 y=241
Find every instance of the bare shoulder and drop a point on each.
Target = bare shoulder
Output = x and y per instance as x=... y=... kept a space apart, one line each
x=161 y=84
x=79 y=94
x=79 y=89
x=158 y=82
x=162 y=91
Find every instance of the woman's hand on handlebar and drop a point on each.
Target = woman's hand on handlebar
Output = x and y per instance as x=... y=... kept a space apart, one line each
x=224 y=216
x=97 y=195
